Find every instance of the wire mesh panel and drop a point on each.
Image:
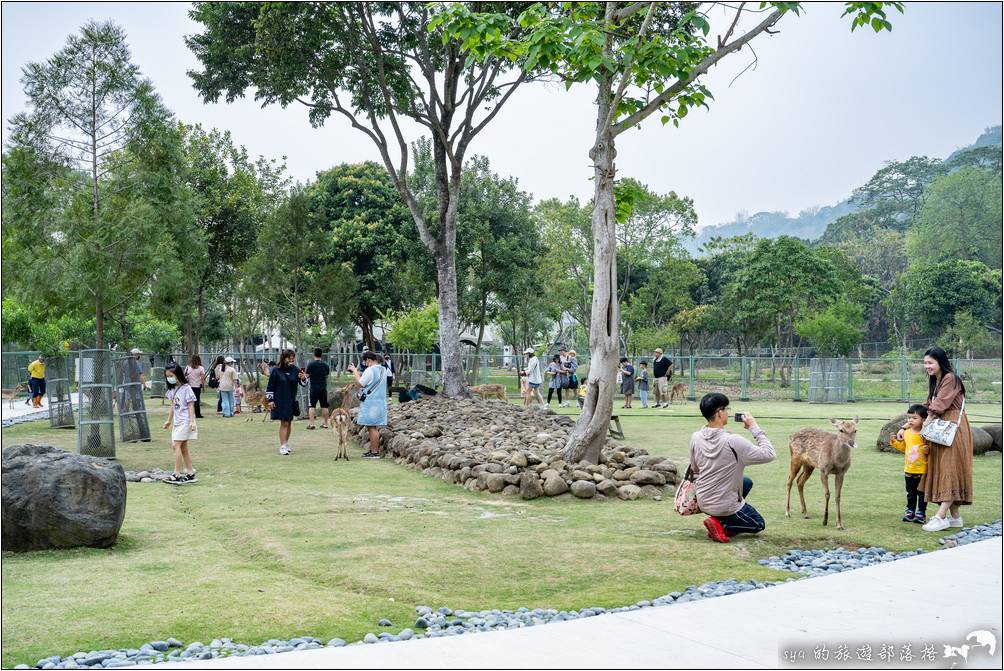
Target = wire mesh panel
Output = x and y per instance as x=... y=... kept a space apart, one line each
x=134 y=426
x=158 y=387
x=828 y=381
x=96 y=428
x=57 y=372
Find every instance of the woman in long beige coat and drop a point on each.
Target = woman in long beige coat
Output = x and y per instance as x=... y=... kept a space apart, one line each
x=949 y=477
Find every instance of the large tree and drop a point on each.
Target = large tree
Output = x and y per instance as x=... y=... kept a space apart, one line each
x=92 y=178
x=369 y=232
x=376 y=65
x=644 y=58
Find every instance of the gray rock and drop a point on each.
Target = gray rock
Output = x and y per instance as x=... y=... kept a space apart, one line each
x=54 y=499
x=645 y=477
x=529 y=485
x=888 y=430
x=982 y=441
x=628 y=492
x=370 y=638
x=336 y=643
x=994 y=431
x=555 y=485
x=584 y=489
x=405 y=634
x=384 y=622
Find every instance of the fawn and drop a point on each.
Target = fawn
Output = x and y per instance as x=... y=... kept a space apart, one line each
x=813 y=449
x=340 y=418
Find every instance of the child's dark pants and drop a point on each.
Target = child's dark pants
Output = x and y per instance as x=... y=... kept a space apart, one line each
x=914 y=497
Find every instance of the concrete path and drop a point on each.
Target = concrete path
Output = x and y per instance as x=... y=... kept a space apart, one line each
x=26 y=412
x=933 y=599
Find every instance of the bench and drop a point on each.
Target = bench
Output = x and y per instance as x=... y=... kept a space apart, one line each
x=617 y=433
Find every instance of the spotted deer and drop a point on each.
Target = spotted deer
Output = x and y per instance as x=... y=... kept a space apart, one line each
x=816 y=449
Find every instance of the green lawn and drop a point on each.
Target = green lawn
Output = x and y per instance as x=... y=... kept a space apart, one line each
x=270 y=547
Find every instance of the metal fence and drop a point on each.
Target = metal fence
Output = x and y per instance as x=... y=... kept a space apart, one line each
x=134 y=426
x=886 y=378
x=96 y=429
x=58 y=373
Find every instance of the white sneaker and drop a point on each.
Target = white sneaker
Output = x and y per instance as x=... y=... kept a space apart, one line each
x=284 y=450
x=955 y=522
x=936 y=524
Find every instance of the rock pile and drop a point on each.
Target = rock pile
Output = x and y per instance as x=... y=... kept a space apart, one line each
x=152 y=475
x=969 y=535
x=515 y=451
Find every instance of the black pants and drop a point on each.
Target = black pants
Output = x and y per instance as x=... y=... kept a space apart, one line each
x=198 y=401
x=746 y=520
x=914 y=497
x=550 y=393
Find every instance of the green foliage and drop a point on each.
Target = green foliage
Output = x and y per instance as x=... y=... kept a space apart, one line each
x=85 y=225
x=930 y=296
x=367 y=244
x=693 y=325
x=415 y=330
x=893 y=195
x=968 y=337
x=960 y=219
x=156 y=336
x=834 y=331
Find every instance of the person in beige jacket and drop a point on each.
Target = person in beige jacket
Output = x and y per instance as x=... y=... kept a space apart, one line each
x=717 y=459
x=228 y=377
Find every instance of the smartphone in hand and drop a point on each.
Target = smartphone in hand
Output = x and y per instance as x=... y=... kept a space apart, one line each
x=739 y=417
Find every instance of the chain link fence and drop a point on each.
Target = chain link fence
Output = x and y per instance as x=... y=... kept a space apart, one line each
x=96 y=429
x=58 y=373
x=134 y=425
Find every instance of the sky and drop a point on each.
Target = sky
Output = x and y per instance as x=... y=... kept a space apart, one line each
x=822 y=110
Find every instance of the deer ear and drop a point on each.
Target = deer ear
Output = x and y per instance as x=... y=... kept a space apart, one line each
x=856 y=420
x=834 y=422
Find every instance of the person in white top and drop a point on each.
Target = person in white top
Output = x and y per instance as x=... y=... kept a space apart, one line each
x=228 y=377
x=534 y=375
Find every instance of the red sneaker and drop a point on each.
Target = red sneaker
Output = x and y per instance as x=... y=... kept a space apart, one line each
x=716 y=531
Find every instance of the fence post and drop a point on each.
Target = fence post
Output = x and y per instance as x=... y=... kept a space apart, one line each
x=692 y=395
x=904 y=380
x=744 y=379
x=798 y=382
x=850 y=380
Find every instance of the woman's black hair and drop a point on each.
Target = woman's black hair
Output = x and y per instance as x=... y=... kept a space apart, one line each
x=220 y=361
x=945 y=365
x=179 y=374
x=623 y=359
x=286 y=353
x=372 y=356
x=556 y=359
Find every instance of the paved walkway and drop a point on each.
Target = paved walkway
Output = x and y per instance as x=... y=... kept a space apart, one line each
x=936 y=598
x=21 y=411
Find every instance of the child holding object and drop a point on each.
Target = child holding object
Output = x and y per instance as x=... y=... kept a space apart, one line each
x=909 y=441
x=181 y=420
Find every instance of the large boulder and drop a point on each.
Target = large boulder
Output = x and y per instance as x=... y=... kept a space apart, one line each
x=54 y=499
x=983 y=442
x=994 y=430
x=889 y=430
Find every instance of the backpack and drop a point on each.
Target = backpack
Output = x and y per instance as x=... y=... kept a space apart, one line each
x=214 y=382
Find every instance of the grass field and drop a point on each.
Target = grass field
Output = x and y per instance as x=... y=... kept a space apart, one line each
x=267 y=547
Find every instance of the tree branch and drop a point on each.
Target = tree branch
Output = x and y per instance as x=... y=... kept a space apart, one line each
x=701 y=69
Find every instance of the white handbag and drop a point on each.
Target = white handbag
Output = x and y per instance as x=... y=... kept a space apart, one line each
x=942 y=431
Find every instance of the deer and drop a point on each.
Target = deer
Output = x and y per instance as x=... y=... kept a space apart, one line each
x=486 y=391
x=679 y=390
x=10 y=394
x=340 y=418
x=817 y=449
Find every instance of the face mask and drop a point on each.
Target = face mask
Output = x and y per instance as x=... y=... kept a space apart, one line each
x=171 y=379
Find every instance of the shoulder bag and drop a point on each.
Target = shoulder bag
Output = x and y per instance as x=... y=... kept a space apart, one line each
x=942 y=431
x=364 y=393
x=686 y=495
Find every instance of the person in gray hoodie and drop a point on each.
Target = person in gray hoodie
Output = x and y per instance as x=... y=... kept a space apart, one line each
x=717 y=459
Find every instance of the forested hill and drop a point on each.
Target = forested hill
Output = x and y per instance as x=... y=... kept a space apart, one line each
x=808 y=224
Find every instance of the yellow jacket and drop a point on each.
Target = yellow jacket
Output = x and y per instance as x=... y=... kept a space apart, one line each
x=915 y=450
x=37 y=369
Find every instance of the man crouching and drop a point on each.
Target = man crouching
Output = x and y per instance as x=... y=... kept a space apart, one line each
x=717 y=459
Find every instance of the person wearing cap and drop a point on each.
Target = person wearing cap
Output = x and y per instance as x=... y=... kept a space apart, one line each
x=534 y=375
x=228 y=378
x=662 y=373
x=36 y=380
x=137 y=366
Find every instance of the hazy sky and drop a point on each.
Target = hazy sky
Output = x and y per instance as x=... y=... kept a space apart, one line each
x=823 y=109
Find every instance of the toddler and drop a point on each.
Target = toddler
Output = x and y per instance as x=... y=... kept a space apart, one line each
x=912 y=445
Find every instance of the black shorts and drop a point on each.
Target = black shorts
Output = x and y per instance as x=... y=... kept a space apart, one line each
x=319 y=396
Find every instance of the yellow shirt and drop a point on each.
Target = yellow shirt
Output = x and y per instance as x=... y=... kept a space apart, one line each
x=915 y=450
x=37 y=369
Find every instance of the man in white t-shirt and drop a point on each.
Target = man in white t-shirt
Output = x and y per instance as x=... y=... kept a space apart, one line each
x=534 y=375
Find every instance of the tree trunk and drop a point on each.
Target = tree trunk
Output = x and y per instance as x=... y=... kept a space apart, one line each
x=454 y=385
x=99 y=323
x=200 y=320
x=590 y=433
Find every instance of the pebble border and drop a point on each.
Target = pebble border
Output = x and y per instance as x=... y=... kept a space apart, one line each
x=447 y=622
